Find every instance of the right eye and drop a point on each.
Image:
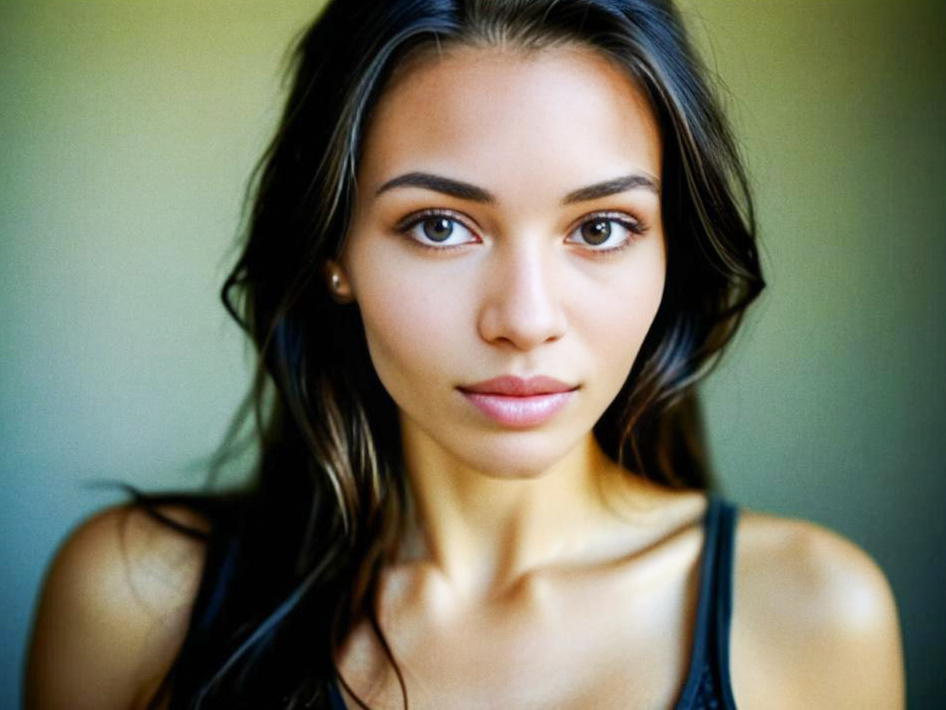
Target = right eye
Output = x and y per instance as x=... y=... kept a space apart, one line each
x=437 y=230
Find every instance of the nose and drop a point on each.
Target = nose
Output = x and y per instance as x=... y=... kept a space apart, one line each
x=523 y=307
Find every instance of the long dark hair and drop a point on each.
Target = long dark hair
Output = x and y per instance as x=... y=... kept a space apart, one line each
x=293 y=560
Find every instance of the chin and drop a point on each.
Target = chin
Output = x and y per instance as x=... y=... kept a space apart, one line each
x=514 y=472
x=513 y=459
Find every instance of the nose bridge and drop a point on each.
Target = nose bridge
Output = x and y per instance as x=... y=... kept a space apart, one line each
x=524 y=303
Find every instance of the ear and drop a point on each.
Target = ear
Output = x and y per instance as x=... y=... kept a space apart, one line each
x=339 y=285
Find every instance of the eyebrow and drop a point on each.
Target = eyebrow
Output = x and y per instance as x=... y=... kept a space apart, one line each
x=636 y=181
x=437 y=183
x=467 y=191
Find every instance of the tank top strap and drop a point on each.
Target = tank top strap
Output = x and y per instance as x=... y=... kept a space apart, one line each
x=708 y=684
x=335 y=700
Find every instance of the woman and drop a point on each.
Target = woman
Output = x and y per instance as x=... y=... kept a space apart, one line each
x=494 y=246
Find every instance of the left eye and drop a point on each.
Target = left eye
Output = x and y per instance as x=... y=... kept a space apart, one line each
x=438 y=230
x=604 y=232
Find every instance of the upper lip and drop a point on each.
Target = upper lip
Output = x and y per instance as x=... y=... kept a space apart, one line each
x=519 y=387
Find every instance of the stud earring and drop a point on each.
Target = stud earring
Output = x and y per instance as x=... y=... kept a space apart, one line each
x=337 y=284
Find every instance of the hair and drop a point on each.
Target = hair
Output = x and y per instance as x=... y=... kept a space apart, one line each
x=293 y=559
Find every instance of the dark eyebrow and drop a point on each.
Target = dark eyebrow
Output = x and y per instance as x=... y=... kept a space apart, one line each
x=466 y=191
x=454 y=188
x=613 y=187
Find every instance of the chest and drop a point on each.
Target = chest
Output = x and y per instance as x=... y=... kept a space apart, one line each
x=605 y=644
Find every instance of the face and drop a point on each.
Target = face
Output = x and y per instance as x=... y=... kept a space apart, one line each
x=506 y=251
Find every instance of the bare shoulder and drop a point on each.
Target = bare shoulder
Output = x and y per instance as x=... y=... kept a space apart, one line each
x=814 y=620
x=113 y=609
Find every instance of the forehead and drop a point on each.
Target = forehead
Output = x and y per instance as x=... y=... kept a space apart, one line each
x=501 y=116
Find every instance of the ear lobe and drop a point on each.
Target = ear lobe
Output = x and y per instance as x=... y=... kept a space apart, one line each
x=339 y=286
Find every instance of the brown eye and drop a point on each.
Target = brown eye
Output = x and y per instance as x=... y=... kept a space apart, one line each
x=606 y=232
x=596 y=232
x=438 y=229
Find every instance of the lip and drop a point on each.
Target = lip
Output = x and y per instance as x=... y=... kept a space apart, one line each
x=519 y=387
x=517 y=402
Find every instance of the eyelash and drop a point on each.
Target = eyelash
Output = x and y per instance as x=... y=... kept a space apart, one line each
x=634 y=226
x=411 y=221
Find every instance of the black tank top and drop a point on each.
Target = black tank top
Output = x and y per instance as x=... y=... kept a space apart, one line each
x=707 y=685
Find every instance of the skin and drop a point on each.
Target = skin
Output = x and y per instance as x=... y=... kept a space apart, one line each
x=521 y=292
x=524 y=536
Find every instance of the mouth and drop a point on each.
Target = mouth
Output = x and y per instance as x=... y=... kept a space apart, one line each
x=512 y=386
x=517 y=402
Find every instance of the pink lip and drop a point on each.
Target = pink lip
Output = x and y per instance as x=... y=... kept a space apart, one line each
x=518 y=387
x=516 y=402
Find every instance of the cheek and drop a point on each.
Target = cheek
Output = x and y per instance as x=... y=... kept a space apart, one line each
x=410 y=326
x=618 y=326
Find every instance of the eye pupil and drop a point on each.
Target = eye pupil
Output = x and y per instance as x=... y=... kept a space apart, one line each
x=596 y=232
x=438 y=229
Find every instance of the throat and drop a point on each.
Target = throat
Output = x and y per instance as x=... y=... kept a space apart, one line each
x=485 y=533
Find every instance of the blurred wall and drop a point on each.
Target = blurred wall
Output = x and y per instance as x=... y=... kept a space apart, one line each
x=832 y=405
x=129 y=130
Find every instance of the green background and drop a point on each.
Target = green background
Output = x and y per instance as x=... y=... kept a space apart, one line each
x=129 y=127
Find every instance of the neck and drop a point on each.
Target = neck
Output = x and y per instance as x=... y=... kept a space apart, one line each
x=485 y=532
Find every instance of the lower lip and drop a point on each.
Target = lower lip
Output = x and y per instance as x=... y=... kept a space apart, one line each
x=519 y=411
